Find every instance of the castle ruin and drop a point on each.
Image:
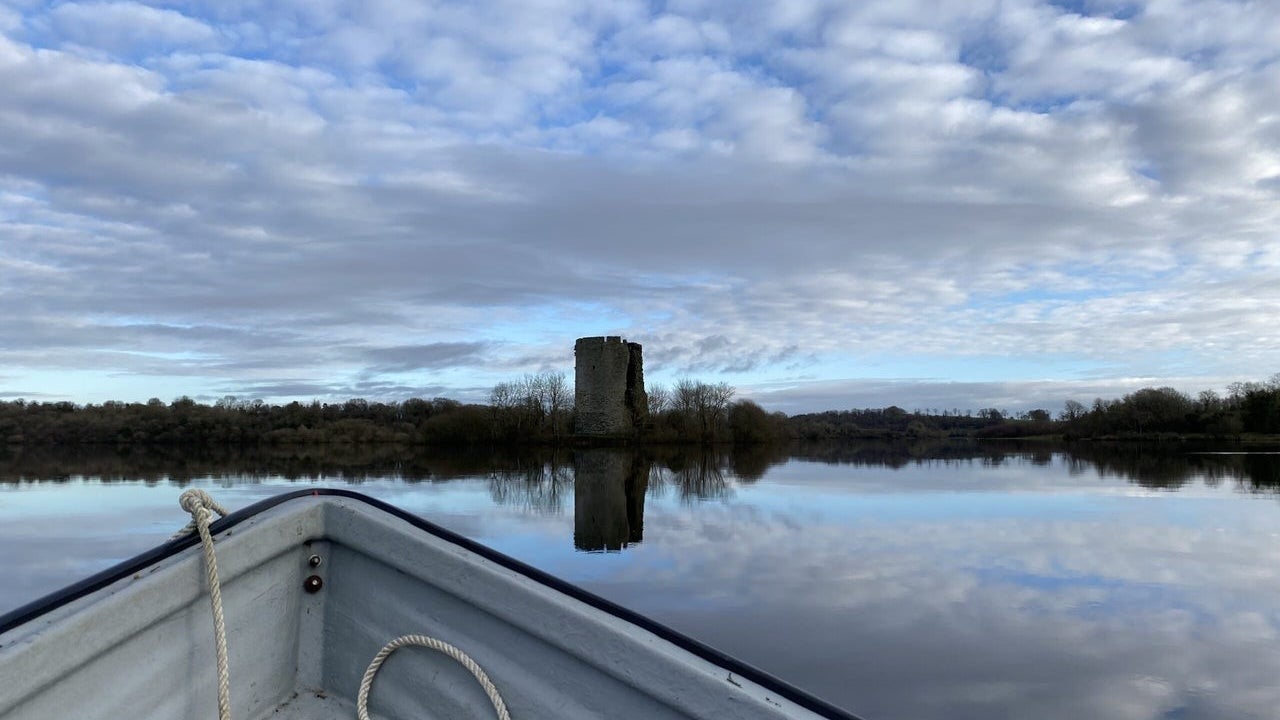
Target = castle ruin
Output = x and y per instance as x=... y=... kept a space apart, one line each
x=609 y=387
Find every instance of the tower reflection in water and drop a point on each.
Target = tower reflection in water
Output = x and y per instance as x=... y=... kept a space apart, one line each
x=608 y=496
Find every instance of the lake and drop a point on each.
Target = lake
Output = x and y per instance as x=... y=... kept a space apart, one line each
x=897 y=581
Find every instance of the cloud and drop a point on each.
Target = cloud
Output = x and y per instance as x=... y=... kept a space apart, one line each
x=128 y=27
x=307 y=390
x=18 y=395
x=824 y=186
x=433 y=355
x=927 y=394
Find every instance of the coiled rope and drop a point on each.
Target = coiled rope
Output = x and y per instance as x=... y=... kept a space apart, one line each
x=202 y=506
x=362 y=698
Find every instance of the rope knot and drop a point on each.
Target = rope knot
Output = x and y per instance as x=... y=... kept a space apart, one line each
x=195 y=499
x=201 y=506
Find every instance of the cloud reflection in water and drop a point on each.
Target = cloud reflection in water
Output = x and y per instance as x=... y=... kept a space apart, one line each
x=1112 y=613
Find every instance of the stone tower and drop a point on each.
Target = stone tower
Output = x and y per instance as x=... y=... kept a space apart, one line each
x=609 y=386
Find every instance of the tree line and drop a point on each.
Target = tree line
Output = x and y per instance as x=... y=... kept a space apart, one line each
x=535 y=409
x=1248 y=407
x=1153 y=413
x=538 y=409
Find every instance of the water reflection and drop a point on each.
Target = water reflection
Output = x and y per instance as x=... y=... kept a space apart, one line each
x=693 y=475
x=609 y=485
x=181 y=465
x=927 y=581
x=1254 y=470
x=539 y=480
x=1166 y=466
x=536 y=483
x=608 y=493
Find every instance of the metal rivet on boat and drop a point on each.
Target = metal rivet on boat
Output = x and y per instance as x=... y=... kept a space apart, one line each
x=312 y=584
x=314 y=561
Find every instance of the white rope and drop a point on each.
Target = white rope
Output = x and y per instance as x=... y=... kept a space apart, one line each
x=202 y=507
x=362 y=699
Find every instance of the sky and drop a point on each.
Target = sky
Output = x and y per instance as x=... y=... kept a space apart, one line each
x=826 y=204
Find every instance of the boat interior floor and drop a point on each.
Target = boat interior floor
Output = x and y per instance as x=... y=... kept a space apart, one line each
x=311 y=704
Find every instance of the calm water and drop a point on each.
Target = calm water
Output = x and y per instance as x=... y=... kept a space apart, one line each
x=898 y=582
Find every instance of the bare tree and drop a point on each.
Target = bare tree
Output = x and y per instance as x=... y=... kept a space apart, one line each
x=559 y=400
x=503 y=404
x=533 y=402
x=503 y=395
x=1073 y=410
x=715 y=407
x=685 y=398
x=531 y=405
x=702 y=404
x=659 y=399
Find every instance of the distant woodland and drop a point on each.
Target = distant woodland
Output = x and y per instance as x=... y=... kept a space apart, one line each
x=538 y=410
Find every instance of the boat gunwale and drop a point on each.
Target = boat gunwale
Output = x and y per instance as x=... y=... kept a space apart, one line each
x=69 y=594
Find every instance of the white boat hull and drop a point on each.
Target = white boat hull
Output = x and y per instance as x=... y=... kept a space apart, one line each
x=137 y=641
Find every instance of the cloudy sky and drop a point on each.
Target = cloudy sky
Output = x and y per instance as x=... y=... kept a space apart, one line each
x=826 y=204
